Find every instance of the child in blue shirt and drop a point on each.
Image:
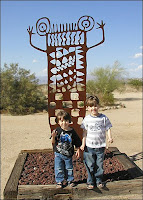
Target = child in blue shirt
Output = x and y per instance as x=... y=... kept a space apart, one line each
x=64 y=138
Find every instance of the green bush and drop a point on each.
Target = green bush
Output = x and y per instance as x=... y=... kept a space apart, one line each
x=19 y=91
x=135 y=83
x=105 y=81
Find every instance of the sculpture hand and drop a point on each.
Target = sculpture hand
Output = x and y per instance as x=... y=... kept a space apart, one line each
x=101 y=25
x=30 y=30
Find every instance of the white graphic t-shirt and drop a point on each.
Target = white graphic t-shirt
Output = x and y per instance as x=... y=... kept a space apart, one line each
x=96 y=130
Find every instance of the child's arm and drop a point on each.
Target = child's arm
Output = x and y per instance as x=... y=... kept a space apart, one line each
x=78 y=152
x=83 y=139
x=77 y=142
x=110 y=139
x=54 y=133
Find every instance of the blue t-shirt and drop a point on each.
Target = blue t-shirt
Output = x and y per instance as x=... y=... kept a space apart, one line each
x=65 y=141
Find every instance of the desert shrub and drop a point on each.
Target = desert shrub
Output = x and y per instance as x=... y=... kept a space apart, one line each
x=43 y=88
x=91 y=87
x=105 y=81
x=19 y=91
x=135 y=83
x=81 y=104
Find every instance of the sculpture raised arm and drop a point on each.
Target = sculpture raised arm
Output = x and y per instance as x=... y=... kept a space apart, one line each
x=42 y=28
x=103 y=36
x=86 y=23
x=30 y=31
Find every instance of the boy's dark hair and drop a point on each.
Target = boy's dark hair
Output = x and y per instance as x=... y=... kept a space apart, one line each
x=92 y=101
x=63 y=115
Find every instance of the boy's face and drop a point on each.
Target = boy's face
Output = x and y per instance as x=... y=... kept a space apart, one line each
x=64 y=124
x=93 y=109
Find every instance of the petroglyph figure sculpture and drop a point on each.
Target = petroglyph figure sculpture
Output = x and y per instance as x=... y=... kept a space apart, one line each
x=66 y=48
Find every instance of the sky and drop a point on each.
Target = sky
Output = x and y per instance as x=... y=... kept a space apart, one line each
x=123 y=33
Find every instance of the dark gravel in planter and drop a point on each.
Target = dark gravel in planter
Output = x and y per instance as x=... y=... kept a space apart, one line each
x=39 y=169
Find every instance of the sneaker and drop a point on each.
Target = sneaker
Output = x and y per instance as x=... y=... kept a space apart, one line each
x=100 y=185
x=59 y=185
x=90 y=187
x=71 y=184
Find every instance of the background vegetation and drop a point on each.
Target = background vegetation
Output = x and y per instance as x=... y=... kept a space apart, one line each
x=135 y=83
x=21 y=94
x=105 y=82
x=19 y=91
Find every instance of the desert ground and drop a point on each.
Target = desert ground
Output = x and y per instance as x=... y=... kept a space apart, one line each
x=33 y=132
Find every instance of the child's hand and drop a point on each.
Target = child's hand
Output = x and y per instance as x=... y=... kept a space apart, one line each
x=82 y=147
x=78 y=153
x=54 y=133
x=110 y=140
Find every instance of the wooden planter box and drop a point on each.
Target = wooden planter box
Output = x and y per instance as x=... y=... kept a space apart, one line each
x=45 y=192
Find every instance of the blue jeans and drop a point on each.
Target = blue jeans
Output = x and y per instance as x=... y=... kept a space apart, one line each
x=93 y=160
x=63 y=168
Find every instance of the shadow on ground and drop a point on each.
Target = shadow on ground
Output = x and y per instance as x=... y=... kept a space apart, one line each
x=128 y=99
x=136 y=157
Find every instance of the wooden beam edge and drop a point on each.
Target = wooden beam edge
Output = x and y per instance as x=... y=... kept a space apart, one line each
x=130 y=166
x=10 y=190
x=112 y=188
x=37 y=151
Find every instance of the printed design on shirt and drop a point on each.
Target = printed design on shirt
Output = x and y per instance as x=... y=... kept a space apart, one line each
x=65 y=138
x=96 y=130
x=96 y=127
x=64 y=145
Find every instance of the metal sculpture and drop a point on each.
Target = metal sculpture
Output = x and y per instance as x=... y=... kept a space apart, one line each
x=66 y=47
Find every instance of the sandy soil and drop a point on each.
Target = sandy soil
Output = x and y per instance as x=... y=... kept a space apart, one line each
x=33 y=132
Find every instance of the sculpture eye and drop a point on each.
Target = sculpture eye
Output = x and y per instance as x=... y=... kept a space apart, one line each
x=43 y=26
x=86 y=23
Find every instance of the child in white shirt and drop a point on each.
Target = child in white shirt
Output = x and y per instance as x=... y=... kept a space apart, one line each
x=94 y=127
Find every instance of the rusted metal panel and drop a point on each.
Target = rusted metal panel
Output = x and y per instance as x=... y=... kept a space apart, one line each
x=66 y=48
